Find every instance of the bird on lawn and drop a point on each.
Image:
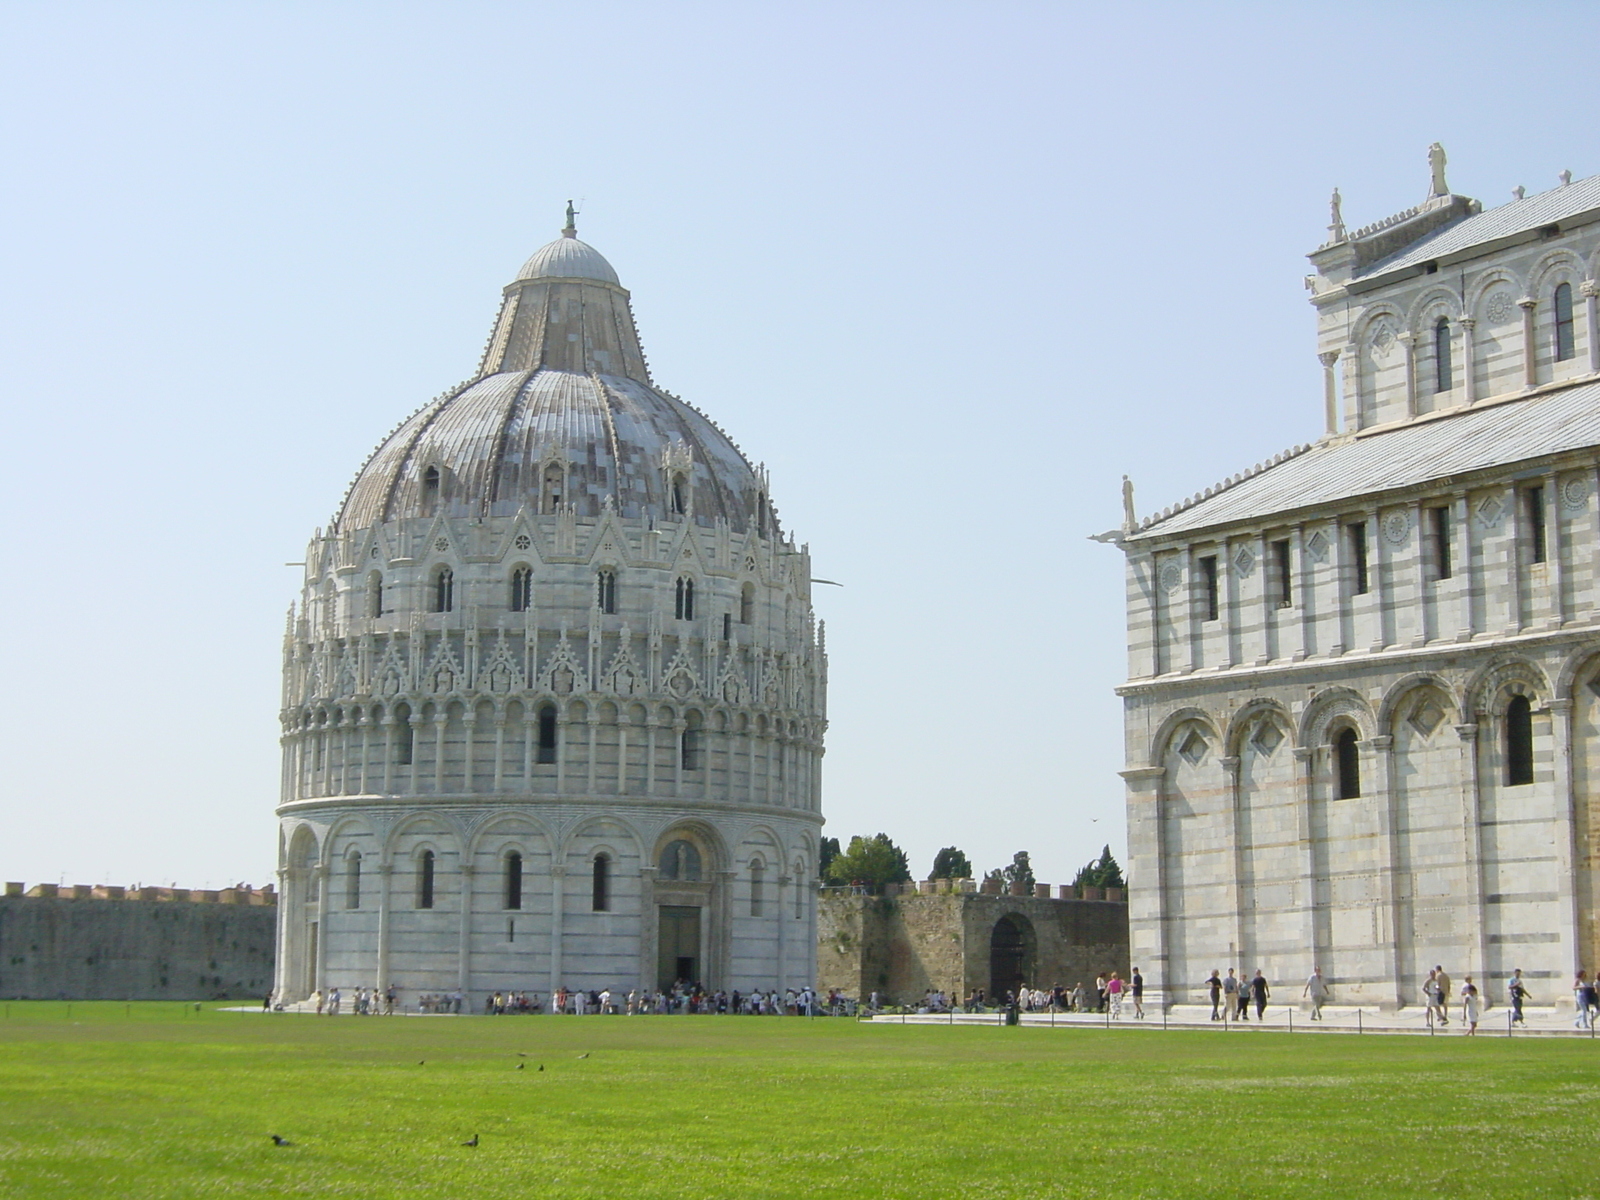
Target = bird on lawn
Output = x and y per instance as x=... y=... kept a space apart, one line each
x=280 y=1141
x=522 y=1066
x=473 y=1142
x=585 y=1054
x=520 y=1054
x=541 y=1066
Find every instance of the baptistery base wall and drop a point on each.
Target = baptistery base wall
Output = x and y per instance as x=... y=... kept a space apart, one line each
x=431 y=897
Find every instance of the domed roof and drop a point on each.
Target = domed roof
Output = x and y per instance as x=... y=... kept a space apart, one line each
x=568 y=258
x=562 y=412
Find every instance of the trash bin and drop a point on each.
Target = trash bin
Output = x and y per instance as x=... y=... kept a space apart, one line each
x=1013 y=1015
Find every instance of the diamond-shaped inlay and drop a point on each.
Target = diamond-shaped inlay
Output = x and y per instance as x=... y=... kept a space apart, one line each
x=1268 y=737
x=1490 y=510
x=1427 y=717
x=1193 y=747
x=1317 y=546
x=1244 y=562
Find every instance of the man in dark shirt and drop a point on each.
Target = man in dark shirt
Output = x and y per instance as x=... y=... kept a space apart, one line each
x=1137 y=986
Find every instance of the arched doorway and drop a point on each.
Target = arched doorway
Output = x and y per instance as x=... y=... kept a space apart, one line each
x=1011 y=955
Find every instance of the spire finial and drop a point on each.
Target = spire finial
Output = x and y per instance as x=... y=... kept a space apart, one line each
x=1336 y=231
x=571 y=230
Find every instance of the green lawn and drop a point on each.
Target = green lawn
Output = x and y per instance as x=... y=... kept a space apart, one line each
x=157 y=1100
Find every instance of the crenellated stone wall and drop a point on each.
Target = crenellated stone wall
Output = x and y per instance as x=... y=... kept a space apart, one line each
x=111 y=943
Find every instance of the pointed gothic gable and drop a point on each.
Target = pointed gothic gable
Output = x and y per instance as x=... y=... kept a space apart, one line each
x=444 y=673
x=623 y=674
x=732 y=687
x=680 y=678
x=521 y=539
x=441 y=539
x=608 y=542
x=563 y=673
x=393 y=670
x=500 y=674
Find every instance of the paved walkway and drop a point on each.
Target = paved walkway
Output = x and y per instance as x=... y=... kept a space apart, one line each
x=1541 y=1022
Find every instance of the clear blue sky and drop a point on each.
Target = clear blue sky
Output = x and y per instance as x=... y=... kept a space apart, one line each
x=948 y=269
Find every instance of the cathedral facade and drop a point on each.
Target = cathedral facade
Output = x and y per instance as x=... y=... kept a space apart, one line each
x=554 y=696
x=1363 y=713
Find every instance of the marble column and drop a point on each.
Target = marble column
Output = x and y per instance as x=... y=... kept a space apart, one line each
x=558 y=904
x=1530 y=349
x=385 y=872
x=1472 y=852
x=1591 y=311
x=1330 y=390
x=468 y=877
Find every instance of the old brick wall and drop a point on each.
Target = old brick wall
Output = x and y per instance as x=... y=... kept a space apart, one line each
x=122 y=949
x=902 y=946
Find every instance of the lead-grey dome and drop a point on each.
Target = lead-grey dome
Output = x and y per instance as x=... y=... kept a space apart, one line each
x=568 y=258
x=563 y=385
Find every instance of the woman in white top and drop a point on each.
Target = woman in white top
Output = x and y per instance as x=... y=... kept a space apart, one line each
x=1469 y=1005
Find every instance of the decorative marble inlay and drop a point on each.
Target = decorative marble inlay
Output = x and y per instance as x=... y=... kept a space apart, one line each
x=523 y=541
x=1171 y=577
x=1244 y=562
x=1575 y=493
x=1490 y=510
x=1501 y=308
x=1317 y=546
x=1193 y=747
x=1382 y=340
x=1268 y=737
x=441 y=544
x=1427 y=718
x=1397 y=527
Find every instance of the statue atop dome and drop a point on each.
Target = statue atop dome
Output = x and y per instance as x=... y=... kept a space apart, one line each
x=571 y=229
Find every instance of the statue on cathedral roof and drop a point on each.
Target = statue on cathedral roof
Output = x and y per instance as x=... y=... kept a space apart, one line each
x=1436 y=161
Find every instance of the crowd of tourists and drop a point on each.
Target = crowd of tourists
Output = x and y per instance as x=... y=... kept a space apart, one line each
x=1109 y=995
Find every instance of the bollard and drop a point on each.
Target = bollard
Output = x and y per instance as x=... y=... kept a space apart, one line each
x=1358 y=1021
x=1163 y=1017
x=1291 y=1020
x=69 y=1012
x=1508 y=1022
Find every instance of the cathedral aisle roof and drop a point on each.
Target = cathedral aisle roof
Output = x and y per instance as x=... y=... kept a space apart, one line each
x=1508 y=220
x=1475 y=439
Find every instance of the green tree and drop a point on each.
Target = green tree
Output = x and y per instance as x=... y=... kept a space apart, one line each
x=1101 y=872
x=1020 y=870
x=872 y=861
x=827 y=851
x=950 y=863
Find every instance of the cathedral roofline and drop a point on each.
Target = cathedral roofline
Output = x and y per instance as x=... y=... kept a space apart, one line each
x=1558 y=418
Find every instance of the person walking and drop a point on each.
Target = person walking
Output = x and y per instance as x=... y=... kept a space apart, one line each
x=1230 y=997
x=1516 y=992
x=1137 y=988
x=1442 y=983
x=1259 y=992
x=1317 y=989
x=1580 y=1000
x=1114 y=995
x=1214 y=988
x=1469 y=1006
